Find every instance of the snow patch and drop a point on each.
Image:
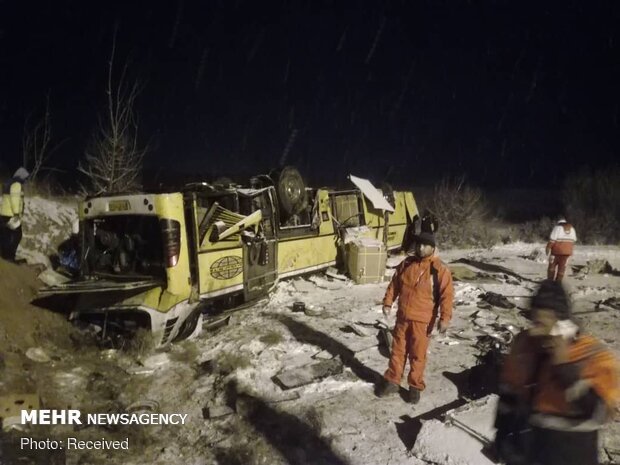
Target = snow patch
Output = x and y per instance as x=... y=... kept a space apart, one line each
x=46 y=224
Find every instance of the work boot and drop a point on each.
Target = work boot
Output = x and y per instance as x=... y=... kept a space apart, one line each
x=387 y=389
x=414 y=395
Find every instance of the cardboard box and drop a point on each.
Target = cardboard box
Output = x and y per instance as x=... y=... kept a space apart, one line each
x=366 y=259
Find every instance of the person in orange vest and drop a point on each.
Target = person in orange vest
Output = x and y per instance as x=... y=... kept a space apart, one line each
x=423 y=286
x=560 y=248
x=11 y=212
x=558 y=386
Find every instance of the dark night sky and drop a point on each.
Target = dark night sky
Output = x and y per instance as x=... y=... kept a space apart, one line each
x=514 y=93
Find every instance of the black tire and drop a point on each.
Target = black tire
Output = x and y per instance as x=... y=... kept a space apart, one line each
x=291 y=191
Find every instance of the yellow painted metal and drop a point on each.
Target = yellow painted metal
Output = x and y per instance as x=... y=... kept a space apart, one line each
x=314 y=250
x=412 y=208
x=249 y=221
x=81 y=215
x=220 y=269
x=178 y=285
x=171 y=206
x=157 y=299
x=306 y=253
x=324 y=209
x=227 y=243
x=220 y=264
x=397 y=220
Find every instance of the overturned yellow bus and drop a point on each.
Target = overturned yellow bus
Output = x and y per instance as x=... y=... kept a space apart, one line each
x=154 y=260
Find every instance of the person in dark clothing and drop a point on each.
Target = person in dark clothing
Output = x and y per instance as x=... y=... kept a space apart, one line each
x=558 y=387
x=69 y=252
x=429 y=223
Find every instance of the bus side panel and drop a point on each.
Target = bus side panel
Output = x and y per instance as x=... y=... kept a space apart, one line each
x=410 y=204
x=397 y=220
x=301 y=255
x=221 y=271
x=326 y=225
x=304 y=254
x=171 y=206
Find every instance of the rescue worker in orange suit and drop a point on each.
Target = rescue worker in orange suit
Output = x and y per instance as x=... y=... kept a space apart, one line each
x=558 y=387
x=560 y=248
x=423 y=285
x=11 y=212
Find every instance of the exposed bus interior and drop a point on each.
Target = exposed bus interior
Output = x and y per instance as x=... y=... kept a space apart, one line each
x=123 y=246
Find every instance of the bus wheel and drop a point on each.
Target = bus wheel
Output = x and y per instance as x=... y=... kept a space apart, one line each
x=291 y=191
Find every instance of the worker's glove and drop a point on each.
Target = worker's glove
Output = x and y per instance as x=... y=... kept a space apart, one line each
x=577 y=390
x=14 y=223
x=557 y=348
x=442 y=326
x=386 y=310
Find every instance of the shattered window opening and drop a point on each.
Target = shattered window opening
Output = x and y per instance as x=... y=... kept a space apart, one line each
x=124 y=246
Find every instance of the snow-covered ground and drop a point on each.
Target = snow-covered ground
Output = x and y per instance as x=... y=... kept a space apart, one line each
x=46 y=224
x=225 y=379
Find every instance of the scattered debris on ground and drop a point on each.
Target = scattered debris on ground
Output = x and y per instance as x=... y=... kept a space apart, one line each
x=330 y=352
x=612 y=303
x=537 y=255
x=496 y=300
x=598 y=266
x=302 y=376
x=461 y=437
x=333 y=273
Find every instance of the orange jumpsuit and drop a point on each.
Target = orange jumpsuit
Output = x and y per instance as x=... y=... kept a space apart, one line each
x=535 y=391
x=559 y=249
x=420 y=298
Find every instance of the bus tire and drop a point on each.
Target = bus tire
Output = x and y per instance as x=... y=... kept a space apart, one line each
x=291 y=191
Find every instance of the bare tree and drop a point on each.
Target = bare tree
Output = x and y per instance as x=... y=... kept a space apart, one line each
x=463 y=214
x=114 y=161
x=36 y=143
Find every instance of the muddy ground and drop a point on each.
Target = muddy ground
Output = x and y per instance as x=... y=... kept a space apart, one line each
x=228 y=380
